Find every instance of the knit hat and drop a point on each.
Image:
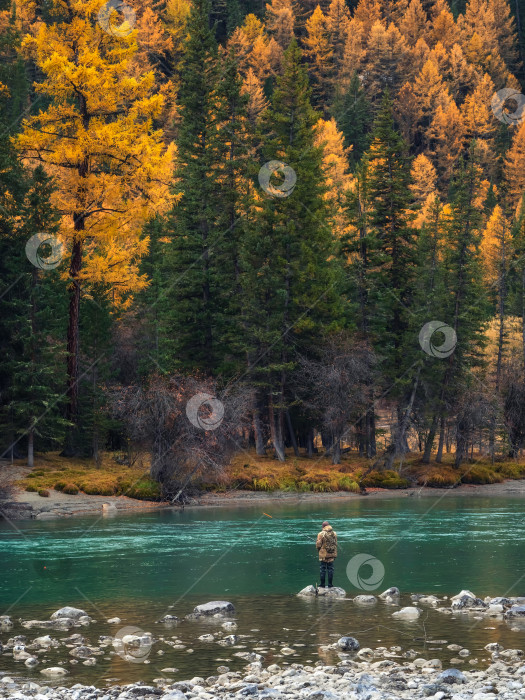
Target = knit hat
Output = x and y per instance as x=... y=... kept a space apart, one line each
x=326 y=523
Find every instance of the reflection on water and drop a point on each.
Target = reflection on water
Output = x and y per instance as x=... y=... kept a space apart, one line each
x=136 y=567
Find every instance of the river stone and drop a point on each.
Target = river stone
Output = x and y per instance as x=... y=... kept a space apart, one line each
x=214 y=607
x=72 y=613
x=408 y=613
x=494 y=646
x=45 y=641
x=54 y=671
x=166 y=618
x=81 y=652
x=391 y=592
x=463 y=593
x=348 y=644
x=334 y=592
x=174 y=695
x=31 y=662
x=365 y=599
x=516 y=611
x=466 y=602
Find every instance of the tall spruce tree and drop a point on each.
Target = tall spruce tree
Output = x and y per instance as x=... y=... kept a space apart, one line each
x=194 y=315
x=288 y=277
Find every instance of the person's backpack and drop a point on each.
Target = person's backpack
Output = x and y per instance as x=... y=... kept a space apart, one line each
x=330 y=542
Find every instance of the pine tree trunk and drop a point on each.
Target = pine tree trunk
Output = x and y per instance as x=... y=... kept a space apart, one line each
x=400 y=444
x=371 y=432
x=310 y=443
x=258 y=428
x=439 y=454
x=275 y=432
x=429 y=442
x=291 y=433
x=336 y=452
x=30 y=447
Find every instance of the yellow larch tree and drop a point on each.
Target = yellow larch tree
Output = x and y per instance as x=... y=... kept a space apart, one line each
x=354 y=51
x=257 y=102
x=514 y=170
x=413 y=25
x=446 y=136
x=368 y=12
x=428 y=87
x=442 y=26
x=96 y=139
x=280 y=19
x=337 y=178
x=423 y=188
x=319 y=52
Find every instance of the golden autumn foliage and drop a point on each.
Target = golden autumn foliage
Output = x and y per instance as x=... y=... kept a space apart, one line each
x=97 y=140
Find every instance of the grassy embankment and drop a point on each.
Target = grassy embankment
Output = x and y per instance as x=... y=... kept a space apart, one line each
x=262 y=474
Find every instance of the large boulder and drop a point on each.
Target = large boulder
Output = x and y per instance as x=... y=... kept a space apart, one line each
x=408 y=613
x=348 y=644
x=334 y=592
x=214 y=607
x=69 y=612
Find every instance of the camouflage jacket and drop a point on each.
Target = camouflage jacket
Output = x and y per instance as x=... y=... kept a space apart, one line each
x=327 y=544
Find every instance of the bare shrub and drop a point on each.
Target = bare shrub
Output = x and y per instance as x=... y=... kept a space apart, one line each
x=156 y=419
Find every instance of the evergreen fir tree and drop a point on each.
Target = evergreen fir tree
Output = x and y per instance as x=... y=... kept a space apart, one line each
x=288 y=278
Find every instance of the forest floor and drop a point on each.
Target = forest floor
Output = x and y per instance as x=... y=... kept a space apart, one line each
x=59 y=486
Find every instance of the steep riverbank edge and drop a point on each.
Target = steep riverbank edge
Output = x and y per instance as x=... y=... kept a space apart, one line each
x=27 y=505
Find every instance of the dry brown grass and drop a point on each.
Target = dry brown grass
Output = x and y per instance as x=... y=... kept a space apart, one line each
x=251 y=472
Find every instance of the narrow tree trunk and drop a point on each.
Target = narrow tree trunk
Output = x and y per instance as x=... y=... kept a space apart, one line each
x=258 y=427
x=70 y=448
x=310 y=443
x=30 y=447
x=336 y=452
x=275 y=432
x=291 y=433
x=399 y=442
x=439 y=454
x=371 y=433
x=429 y=443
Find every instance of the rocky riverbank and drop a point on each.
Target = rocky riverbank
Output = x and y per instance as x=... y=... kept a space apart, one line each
x=347 y=680
x=51 y=649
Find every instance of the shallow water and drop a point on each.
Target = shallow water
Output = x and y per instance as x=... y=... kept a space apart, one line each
x=136 y=567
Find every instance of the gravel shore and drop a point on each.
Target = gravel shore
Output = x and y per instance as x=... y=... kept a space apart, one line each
x=348 y=680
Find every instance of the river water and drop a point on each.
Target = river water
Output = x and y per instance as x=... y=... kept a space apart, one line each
x=144 y=566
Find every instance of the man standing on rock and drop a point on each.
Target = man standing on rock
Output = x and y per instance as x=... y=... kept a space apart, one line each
x=327 y=547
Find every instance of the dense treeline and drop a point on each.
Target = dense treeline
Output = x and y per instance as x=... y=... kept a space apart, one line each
x=376 y=277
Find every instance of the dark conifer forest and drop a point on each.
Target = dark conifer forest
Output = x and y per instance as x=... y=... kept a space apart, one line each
x=279 y=230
